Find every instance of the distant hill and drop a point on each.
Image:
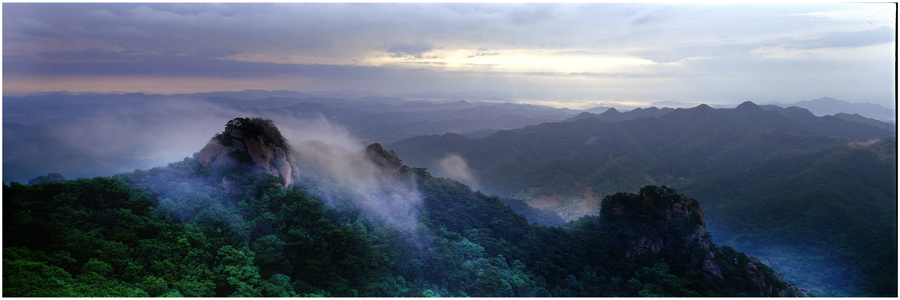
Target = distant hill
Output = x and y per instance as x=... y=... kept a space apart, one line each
x=560 y=165
x=722 y=139
x=613 y=115
x=828 y=106
x=864 y=120
x=830 y=124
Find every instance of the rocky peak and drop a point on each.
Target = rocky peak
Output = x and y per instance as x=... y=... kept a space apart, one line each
x=255 y=143
x=582 y=116
x=748 y=106
x=767 y=285
x=658 y=219
x=387 y=160
x=611 y=111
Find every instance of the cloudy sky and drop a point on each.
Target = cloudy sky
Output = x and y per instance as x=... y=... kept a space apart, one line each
x=572 y=55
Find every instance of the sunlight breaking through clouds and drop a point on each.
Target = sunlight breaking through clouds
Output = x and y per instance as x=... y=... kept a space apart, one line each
x=512 y=60
x=525 y=50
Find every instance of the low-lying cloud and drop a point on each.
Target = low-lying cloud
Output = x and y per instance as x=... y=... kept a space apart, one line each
x=118 y=136
x=455 y=167
x=334 y=167
x=122 y=133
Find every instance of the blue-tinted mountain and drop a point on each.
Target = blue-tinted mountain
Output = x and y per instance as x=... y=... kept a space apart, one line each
x=828 y=106
x=613 y=115
x=571 y=162
x=844 y=124
x=864 y=120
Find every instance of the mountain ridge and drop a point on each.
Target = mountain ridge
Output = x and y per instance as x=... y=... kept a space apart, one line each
x=556 y=165
x=170 y=232
x=829 y=106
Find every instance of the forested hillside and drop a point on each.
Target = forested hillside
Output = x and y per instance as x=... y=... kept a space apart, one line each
x=814 y=196
x=203 y=229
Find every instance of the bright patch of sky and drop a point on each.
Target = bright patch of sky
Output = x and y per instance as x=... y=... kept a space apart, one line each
x=577 y=53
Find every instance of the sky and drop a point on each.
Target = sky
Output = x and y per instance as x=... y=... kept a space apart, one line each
x=575 y=55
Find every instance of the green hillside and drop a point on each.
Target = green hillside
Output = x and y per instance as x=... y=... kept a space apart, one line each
x=173 y=231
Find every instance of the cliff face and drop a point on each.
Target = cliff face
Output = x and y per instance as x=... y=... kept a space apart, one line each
x=387 y=160
x=255 y=143
x=658 y=224
x=660 y=220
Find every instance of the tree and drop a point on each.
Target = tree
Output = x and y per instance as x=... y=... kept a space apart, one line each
x=235 y=273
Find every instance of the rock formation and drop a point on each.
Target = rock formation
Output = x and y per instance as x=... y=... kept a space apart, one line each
x=662 y=220
x=769 y=283
x=386 y=160
x=255 y=143
x=657 y=221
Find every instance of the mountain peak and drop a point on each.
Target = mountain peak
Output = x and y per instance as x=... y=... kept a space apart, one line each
x=387 y=160
x=826 y=99
x=659 y=220
x=252 y=142
x=748 y=105
x=829 y=106
x=659 y=208
x=582 y=116
x=611 y=111
x=703 y=107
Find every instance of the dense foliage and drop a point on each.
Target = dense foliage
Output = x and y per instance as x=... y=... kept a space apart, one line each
x=255 y=126
x=847 y=194
x=170 y=231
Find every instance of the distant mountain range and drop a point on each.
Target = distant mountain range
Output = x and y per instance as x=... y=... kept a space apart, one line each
x=613 y=115
x=503 y=156
x=827 y=106
x=757 y=170
x=94 y=134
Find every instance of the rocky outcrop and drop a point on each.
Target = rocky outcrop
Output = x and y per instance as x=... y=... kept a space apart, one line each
x=255 y=143
x=387 y=160
x=657 y=222
x=661 y=220
x=770 y=283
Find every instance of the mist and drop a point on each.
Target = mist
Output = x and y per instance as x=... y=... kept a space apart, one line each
x=111 y=134
x=334 y=166
x=109 y=138
x=455 y=167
